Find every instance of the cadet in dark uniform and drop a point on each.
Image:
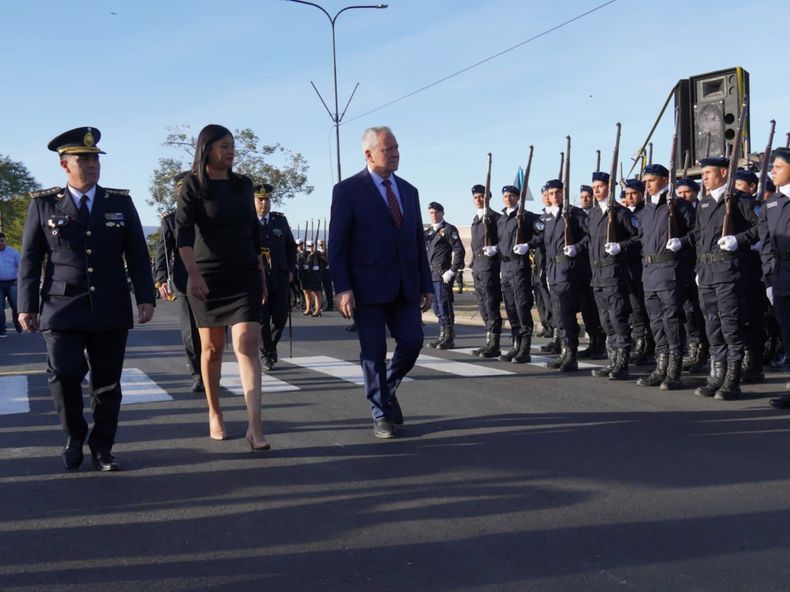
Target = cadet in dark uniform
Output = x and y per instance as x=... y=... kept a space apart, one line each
x=171 y=281
x=694 y=324
x=641 y=339
x=756 y=303
x=664 y=275
x=774 y=229
x=596 y=349
x=516 y=277
x=279 y=260
x=541 y=290
x=561 y=263
x=485 y=272
x=610 y=276
x=326 y=279
x=81 y=235
x=720 y=278
x=446 y=258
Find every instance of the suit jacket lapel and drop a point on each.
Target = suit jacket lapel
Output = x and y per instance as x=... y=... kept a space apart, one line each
x=377 y=195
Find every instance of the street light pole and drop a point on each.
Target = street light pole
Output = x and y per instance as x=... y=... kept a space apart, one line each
x=337 y=117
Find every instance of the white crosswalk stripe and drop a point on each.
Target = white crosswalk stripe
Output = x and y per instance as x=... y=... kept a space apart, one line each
x=231 y=381
x=13 y=395
x=332 y=367
x=459 y=368
x=539 y=361
x=137 y=387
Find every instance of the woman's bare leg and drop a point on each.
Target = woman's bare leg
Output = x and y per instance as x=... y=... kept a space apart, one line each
x=212 y=343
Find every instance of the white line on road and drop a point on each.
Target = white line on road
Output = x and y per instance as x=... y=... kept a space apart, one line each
x=332 y=367
x=13 y=395
x=232 y=382
x=539 y=361
x=459 y=368
x=137 y=387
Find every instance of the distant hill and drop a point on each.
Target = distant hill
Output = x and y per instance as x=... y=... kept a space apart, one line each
x=149 y=230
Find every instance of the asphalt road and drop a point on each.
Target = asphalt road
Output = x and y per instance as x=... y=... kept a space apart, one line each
x=525 y=480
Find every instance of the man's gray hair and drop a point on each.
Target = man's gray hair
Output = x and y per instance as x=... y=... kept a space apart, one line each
x=370 y=138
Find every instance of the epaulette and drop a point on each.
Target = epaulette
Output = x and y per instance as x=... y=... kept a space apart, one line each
x=117 y=192
x=166 y=213
x=46 y=192
x=280 y=214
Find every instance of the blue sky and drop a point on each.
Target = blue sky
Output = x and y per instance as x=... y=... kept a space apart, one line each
x=250 y=63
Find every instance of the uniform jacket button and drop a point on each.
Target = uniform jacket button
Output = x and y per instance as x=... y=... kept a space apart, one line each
x=89 y=251
x=87 y=233
x=90 y=270
x=93 y=288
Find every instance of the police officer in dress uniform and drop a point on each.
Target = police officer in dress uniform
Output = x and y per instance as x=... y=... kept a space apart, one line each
x=596 y=349
x=485 y=272
x=694 y=322
x=516 y=276
x=171 y=281
x=756 y=304
x=561 y=264
x=665 y=272
x=720 y=261
x=774 y=231
x=279 y=259
x=610 y=275
x=81 y=235
x=446 y=258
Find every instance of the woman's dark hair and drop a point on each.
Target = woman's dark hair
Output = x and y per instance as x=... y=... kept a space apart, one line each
x=208 y=135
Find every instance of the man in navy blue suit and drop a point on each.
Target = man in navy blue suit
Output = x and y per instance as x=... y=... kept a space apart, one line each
x=380 y=270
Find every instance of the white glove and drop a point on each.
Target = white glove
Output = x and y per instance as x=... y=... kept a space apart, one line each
x=490 y=251
x=612 y=248
x=757 y=246
x=696 y=279
x=570 y=251
x=728 y=243
x=315 y=268
x=769 y=293
x=448 y=276
x=674 y=245
x=521 y=249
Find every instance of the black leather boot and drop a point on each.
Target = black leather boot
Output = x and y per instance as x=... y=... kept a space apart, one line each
x=639 y=355
x=730 y=388
x=603 y=372
x=449 y=339
x=672 y=380
x=715 y=379
x=620 y=370
x=435 y=343
x=553 y=346
x=752 y=367
x=570 y=363
x=524 y=354
x=557 y=362
x=509 y=355
x=491 y=348
x=693 y=356
x=701 y=361
x=657 y=376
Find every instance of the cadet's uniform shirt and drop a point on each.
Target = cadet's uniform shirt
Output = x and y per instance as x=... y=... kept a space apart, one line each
x=634 y=254
x=84 y=282
x=774 y=229
x=608 y=270
x=479 y=261
x=507 y=229
x=445 y=250
x=714 y=265
x=279 y=249
x=559 y=267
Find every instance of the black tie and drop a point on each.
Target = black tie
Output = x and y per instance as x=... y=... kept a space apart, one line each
x=85 y=215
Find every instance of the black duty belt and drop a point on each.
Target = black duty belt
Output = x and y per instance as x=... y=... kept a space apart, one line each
x=715 y=257
x=658 y=258
x=560 y=258
x=74 y=290
x=606 y=262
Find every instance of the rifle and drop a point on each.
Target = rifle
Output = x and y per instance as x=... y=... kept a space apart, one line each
x=650 y=153
x=702 y=191
x=522 y=198
x=686 y=163
x=325 y=245
x=562 y=164
x=729 y=193
x=597 y=160
x=566 y=206
x=487 y=198
x=764 y=162
x=787 y=145
x=611 y=228
x=672 y=214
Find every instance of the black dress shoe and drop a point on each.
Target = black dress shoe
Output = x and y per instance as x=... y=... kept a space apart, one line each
x=104 y=461
x=197 y=385
x=397 y=414
x=72 y=454
x=268 y=363
x=382 y=428
x=782 y=402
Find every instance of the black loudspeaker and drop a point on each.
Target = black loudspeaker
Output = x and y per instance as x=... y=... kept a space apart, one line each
x=716 y=100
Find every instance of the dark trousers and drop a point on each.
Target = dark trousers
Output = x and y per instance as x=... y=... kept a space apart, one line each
x=782 y=314
x=404 y=322
x=274 y=315
x=443 y=303
x=592 y=322
x=517 y=293
x=694 y=321
x=488 y=293
x=613 y=310
x=542 y=299
x=8 y=292
x=638 y=318
x=190 y=336
x=565 y=303
x=721 y=306
x=754 y=307
x=326 y=280
x=67 y=365
x=663 y=308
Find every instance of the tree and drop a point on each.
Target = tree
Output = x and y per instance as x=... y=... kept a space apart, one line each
x=263 y=163
x=15 y=183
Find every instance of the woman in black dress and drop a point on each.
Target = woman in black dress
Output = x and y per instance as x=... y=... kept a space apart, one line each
x=219 y=243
